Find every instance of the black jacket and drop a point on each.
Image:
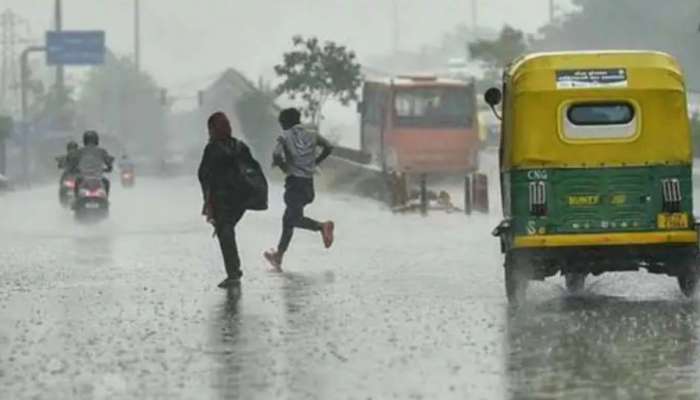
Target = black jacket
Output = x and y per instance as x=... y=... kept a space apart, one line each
x=218 y=172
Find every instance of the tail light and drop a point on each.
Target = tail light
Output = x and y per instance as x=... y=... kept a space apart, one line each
x=93 y=193
x=672 y=195
x=538 y=198
x=69 y=183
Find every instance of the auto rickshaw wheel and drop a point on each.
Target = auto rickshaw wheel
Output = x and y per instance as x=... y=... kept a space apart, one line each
x=688 y=281
x=517 y=279
x=575 y=282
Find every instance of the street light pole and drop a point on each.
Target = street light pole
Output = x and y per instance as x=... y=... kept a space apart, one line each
x=58 y=21
x=24 y=72
x=137 y=34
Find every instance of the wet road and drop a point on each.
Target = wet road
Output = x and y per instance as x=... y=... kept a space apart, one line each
x=403 y=307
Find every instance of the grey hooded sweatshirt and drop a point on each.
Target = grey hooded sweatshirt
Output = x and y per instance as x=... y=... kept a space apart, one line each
x=297 y=146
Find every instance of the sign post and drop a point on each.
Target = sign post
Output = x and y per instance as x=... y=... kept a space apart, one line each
x=62 y=48
x=75 y=47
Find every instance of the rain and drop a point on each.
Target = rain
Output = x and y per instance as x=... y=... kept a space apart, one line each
x=511 y=187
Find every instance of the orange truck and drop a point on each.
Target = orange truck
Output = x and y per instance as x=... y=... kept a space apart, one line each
x=421 y=126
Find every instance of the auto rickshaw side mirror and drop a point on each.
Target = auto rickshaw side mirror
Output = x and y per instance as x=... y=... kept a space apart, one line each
x=493 y=97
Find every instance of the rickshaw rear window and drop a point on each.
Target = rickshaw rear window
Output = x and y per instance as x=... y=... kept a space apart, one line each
x=601 y=114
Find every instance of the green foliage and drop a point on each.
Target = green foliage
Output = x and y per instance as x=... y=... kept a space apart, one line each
x=118 y=100
x=317 y=72
x=498 y=53
x=669 y=25
x=256 y=111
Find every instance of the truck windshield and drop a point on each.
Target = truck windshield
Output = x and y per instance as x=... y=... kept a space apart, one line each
x=434 y=107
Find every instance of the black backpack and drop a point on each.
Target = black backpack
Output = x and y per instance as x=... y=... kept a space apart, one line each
x=250 y=179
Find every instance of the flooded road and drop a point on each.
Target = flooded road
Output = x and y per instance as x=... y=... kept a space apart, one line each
x=403 y=307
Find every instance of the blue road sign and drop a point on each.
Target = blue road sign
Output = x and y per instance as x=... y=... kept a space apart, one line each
x=75 y=47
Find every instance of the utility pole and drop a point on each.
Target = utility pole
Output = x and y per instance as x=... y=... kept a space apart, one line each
x=551 y=11
x=396 y=30
x=475 y=17
x=9 y=77
x=137 y=34
x=58 y=21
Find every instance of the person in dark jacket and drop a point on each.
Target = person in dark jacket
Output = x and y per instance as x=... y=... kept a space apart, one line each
x=223 y=200
x=296 y=154
x=91 y=161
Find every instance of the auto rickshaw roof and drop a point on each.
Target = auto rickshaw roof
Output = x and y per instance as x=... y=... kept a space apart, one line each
x=537 y=95
x=547 y=63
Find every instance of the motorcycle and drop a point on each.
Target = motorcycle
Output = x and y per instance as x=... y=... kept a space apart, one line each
x=127 y=178
x=92 y=201
x=66 y=190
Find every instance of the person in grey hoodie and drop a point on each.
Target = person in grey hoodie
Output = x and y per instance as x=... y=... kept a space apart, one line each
x=296 y=155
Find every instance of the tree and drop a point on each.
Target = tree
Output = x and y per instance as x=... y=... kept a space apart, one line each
x=121 y=101
x=258 y=120
x=498 y=53
x=670 y=26
x=316 y=73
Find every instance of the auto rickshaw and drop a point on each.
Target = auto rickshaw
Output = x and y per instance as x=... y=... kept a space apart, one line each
x=596 y=168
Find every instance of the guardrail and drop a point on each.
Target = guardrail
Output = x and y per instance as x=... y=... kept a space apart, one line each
x=353 y=155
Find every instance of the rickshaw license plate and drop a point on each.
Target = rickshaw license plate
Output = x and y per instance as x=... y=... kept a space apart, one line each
x=92 y=205
x=672 y=221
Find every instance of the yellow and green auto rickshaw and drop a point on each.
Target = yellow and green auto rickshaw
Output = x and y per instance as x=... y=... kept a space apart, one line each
x=596 y=168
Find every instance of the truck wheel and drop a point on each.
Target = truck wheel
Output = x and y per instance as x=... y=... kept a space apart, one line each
x=688 y=282
x=575 y=282
x=517 y=280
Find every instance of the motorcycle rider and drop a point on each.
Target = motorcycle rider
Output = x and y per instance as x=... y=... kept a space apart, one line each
x=92 y=160
x=64 y=162
x=125 y=164
x=296 y=156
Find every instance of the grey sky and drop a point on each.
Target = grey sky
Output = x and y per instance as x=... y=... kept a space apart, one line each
x=185 y=42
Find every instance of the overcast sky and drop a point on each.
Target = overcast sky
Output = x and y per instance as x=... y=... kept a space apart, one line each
x=186 y=42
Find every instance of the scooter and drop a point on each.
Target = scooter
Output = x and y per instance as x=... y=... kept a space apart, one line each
x=127 y=178
x=92 y=201
x=66 y=191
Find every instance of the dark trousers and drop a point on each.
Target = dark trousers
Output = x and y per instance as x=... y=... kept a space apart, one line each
x=226 y=216
x=298 y=193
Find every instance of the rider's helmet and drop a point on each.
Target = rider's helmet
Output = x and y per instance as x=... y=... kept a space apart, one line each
x=91 y=138
x=71 y=146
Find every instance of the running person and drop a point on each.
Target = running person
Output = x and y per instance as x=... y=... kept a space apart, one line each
x=296 y=155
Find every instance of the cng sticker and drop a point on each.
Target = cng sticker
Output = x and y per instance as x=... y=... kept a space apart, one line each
x=537 y=175
x=579 y=201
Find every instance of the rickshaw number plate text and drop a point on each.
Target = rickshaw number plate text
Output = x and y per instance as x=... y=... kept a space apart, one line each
x=672 y=221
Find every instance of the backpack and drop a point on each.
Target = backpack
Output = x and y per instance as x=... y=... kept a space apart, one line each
x=251 y=179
